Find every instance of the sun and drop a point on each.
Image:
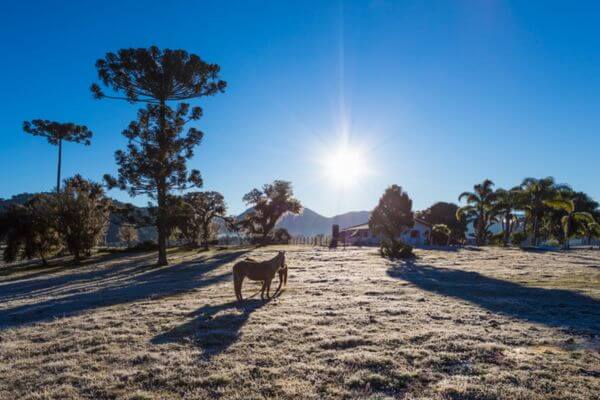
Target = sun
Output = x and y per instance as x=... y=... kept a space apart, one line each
x=345 y=166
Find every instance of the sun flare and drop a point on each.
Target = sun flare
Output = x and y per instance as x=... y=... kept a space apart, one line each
x=345 y=166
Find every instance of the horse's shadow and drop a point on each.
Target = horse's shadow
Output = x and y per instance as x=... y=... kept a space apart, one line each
x=214 y=328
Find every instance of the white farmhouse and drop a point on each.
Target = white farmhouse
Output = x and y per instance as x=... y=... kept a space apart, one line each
x=361 y=235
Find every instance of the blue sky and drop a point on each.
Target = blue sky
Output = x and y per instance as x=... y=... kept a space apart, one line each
x=436 y=95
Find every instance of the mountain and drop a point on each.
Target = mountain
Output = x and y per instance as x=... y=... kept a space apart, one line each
x=310 y=223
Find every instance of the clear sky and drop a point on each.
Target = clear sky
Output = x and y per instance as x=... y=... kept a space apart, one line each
x=432 y=95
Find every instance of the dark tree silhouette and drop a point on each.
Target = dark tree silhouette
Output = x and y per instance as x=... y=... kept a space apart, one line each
x=505 y=204
x=479 y=209
x=268 y=205
x=30 y=229
x=445 y=213
x=56 y=133
x=82 y=215
x=154 y=164
x=392 y=216
x=157 y=76
x=201 y=208
x=535 y=195
x=281 y=236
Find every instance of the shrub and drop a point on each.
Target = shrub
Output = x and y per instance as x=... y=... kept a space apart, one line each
x=518 y=238
x=30 y=230
x=146 y=245
x=281 y=236
x=82 y=215
x=394 y=249
x=440 y=234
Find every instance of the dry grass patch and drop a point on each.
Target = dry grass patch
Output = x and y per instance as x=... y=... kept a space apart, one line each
x=489 y=324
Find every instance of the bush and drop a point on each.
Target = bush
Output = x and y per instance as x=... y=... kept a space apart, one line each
x=440 y=234
x=29 y=230
x=82 y=215
x=281 y=236
x=394 y=249
x=497 y=239
x=518 y=238
x=146 y=245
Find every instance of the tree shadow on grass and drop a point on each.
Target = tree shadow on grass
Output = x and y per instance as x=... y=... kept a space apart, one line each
x=213 y=328
x=124 y=282
x=550 y=307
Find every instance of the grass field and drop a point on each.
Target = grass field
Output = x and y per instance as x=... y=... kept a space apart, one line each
x=469 y=324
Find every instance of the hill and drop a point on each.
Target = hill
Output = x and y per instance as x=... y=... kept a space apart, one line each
x=309 y=222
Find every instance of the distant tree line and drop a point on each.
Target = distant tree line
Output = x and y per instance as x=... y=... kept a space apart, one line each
x=537 y=210
x=154 y=163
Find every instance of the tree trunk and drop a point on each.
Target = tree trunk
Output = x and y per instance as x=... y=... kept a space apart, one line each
x=506 y=227
x=205 y=236
x=162 y=194
x=59 y=163
x=161 y=228
x=535 y=231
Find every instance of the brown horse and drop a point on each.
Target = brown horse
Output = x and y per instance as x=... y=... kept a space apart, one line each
x=259 y=271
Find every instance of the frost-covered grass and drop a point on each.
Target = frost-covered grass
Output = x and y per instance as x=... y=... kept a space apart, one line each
x=468 y=324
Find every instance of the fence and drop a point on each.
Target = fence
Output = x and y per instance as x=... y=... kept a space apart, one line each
x=318 y=240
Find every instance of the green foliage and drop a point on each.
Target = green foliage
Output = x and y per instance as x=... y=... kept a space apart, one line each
x=440 y=234
x=199 y=212
x=479 y=209
x=281 y=236
x=153 y=74
x=54 y=131
x=536 y=193
x=155 y=161
x=268 y=205
x=82 y=213
x=394 y=250
x=590 y=230
x=573 y=220
x=518 y=238
x=128 y=234
x=30 y=230
x=445 y=213
x=505 y=204
x=392 y=216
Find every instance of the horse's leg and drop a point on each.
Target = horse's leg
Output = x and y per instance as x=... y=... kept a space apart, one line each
x=269 y=287
x=280 y=273
x=237 y=283
x=262 y=290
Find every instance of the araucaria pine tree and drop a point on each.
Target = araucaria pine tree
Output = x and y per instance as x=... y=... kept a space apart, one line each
x=56 y=133
x=154 y=162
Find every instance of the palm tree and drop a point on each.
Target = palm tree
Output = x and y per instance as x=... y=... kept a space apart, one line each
x=536 y=194
x=572 y=220
x=507 y=201
x=479 y=209
x=56 y=133
x=590 y=230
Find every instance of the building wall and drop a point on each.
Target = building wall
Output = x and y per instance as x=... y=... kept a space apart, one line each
x=416 y=236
